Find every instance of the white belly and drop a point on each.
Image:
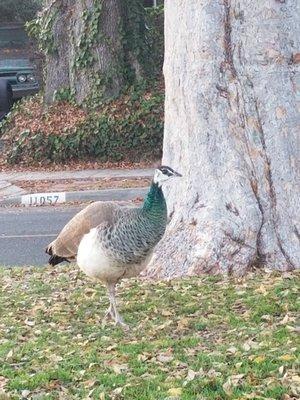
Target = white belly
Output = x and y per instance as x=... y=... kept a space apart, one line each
x=93 y=261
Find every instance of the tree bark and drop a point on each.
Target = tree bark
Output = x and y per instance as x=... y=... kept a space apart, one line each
x=231 y=128
x=88 y=52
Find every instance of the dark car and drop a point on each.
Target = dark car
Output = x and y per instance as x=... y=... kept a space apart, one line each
x=17 y=72
x=20 y=75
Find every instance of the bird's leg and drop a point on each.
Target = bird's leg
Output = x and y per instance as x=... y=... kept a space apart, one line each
x=111 y=287
x=109 y=313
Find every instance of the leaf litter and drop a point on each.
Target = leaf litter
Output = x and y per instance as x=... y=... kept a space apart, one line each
x=188 y=338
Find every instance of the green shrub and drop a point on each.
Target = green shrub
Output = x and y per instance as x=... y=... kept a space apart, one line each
x=129 y=128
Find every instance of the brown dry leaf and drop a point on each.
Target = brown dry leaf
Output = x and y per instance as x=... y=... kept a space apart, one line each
x=286 y=319
x=259 y=359
x=246 y=347
x=261 y=289
x=112 y=347
x=55 y=358
x=163 y=326
x=231 y=350
x=89 y=292
x=166 y=313
x=287 y=357
x=117 y=391
x=232 y=382
x=143 y=357
x=255 y=396
x=212 y=373
x=4 y=396
x=25 y=393
x=3 y=382
x=227 y=387
x=183 y=323
x=120 y=368
x=191 y=375
x=266 y=317
x=9 y=354
x=293 y=328
x=295 y=379
x=90 y=383
x=164 y=357
x=175 y=391
x=250 y=344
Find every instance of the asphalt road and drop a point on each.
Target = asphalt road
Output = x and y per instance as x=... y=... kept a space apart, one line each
x=25 y=232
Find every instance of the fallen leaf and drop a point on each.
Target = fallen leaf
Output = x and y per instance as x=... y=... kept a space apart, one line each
x=286 y=319
x=165 y=358
x=120 y=368
x=232 y=382
x=3 y=382
x=29 y=322
x=183 y=323
x=261 y=289
x=293 y=328
x=166 y=313
x=117 y=390
x=295 y=378
x=231 y=350
x=212 y=373
x=142 y=357
x=112 y=347
x=259 y=359
x=89 y=383
x=227 y=387
x=175 y=391
x=191 y=375
x=246 y=347
x=25 y=393
x=281 y=370
x=55 y=358
x=266 y=317
x=287 y=357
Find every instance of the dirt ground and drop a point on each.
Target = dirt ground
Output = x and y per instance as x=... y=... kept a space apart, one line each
x=72 y=185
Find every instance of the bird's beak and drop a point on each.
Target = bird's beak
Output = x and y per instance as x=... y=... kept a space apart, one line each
x=177 y=174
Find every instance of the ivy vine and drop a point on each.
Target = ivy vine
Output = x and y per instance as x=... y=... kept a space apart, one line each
x=41 y=28
x=90 y=36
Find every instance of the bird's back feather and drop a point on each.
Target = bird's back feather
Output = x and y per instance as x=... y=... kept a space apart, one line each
x=67 y=242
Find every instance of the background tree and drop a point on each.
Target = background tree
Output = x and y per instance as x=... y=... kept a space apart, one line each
x=18 y=10
x=231 y=128
x=93 y=48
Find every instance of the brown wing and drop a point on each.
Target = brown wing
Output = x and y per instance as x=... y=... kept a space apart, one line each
x=67 y=242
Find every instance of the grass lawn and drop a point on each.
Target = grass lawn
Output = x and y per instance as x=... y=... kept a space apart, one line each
x=197 y=338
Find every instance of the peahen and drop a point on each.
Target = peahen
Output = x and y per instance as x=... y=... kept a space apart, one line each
x=111 y=242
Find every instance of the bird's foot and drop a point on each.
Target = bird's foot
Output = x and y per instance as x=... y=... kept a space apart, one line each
x=119 y=321
x=108 y=315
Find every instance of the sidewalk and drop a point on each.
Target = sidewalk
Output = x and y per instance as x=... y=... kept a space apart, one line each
x=88 y=173
x=10 y=194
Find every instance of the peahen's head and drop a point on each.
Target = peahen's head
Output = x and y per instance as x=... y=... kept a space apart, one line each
x=163 y=174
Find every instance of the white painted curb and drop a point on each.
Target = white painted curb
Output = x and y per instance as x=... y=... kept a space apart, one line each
x=46 y=199
x=43 y=199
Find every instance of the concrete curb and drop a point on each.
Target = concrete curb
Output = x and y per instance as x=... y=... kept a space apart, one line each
x=83 y=174
x=87 y=195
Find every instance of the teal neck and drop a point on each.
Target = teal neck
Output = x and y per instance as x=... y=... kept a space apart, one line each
x=155 y=202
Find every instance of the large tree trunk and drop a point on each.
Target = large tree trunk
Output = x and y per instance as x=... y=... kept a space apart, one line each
x=231 y=128
x=89 y=51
